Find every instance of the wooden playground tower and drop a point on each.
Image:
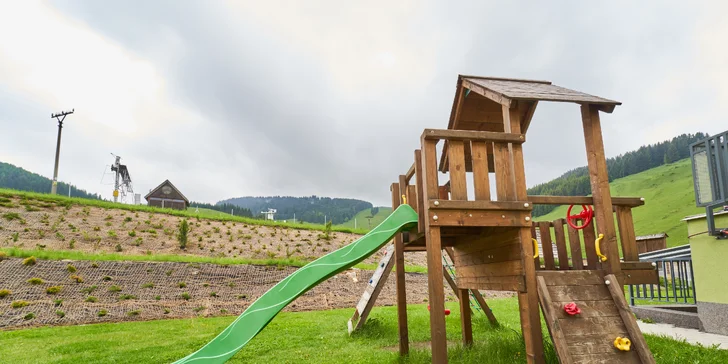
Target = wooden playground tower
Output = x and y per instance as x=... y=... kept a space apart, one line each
x=491 y=238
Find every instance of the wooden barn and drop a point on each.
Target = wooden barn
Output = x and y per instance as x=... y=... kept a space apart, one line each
x=166 y=195
x=650 y=243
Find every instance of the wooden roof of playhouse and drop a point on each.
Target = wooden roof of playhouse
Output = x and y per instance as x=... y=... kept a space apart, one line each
x=479 y=103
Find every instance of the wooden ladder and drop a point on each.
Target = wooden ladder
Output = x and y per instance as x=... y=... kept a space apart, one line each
x=589 y=336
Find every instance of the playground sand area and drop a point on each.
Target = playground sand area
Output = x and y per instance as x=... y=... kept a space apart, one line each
x=113 y=291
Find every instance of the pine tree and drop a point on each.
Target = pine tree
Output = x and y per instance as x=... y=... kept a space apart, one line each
x=672 y=155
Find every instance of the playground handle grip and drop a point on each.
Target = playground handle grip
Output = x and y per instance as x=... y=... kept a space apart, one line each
x=535 y=248
x=602 y=257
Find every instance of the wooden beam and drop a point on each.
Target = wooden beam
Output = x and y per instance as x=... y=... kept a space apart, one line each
x=635 y=335
x=583 y=200
x=627 y=234
x=560 y=238
x=599 y=179
x=479 y=205
x=410 y=172
x=481 y=179
x=441 y=217
x=560 y=343
x=528 y=116
x=456 y=156
x=487 y=93
x=400 y=277
x=433 y=242
x=528 y=300
x=466 y=323
x=420 y=191
x=463 y=135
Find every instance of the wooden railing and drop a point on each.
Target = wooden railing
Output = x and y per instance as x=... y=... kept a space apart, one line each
x=572 y=245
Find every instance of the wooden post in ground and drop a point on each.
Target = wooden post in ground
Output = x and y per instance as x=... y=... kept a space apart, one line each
x=400 y=278
x=434 y=255
x=465 y=317
x=528 y=300
x=599 y=178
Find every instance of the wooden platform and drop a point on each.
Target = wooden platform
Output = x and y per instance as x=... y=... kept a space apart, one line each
x=589 y=336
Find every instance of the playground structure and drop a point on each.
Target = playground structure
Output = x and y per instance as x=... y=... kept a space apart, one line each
x=492 y=240
x=492 y=243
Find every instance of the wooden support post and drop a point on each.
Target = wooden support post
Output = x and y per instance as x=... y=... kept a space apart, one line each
x=420 y=191
x=466 y=322
x=400 y=278
x=599 y=178
x=626 y=234
x=528 y=300
x=434 y=256
x=635 y=334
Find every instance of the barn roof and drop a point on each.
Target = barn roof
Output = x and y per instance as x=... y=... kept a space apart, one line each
x=166 y=182
x=653 y=236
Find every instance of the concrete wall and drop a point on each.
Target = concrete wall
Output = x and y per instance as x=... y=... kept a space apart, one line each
x=710 y=265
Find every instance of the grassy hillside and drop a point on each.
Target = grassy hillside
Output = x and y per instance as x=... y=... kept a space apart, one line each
x=363 y=223
x=669 y=196
x=62 y=201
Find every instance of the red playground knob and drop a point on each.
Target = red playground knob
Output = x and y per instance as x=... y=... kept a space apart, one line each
x=447 y=310
x=572 y=309
x=586 y=214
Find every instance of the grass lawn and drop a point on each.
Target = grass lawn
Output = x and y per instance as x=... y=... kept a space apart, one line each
x=310 y=337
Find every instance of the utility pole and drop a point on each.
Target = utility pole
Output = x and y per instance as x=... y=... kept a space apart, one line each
x=115 y=168
x=60 y=117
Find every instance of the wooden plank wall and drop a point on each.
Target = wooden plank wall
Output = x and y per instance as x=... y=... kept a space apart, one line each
x=570 y=254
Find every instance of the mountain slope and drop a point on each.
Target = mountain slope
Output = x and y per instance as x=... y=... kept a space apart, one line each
x=576 y=181
x=669 y=196
x=312 y=209
x=17 y=178
x=362 y=221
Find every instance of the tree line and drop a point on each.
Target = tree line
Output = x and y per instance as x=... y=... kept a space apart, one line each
x=576 y=181
x=312 y=209
x=19 y=179
x=225 y=207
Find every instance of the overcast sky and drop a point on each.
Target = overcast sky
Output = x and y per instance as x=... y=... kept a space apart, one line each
x=233 y=98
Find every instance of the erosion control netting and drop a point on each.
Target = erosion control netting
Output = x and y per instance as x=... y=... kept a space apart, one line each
x=125 y=291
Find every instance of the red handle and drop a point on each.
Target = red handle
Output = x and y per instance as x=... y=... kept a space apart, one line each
x=586 y=214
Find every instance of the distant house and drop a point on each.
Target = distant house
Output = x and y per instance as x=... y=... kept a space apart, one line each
x=167 y=196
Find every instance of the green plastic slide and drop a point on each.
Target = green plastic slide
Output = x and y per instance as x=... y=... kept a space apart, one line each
x=265 y=308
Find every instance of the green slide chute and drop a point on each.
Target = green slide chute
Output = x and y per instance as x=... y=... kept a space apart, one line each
x=265 y=308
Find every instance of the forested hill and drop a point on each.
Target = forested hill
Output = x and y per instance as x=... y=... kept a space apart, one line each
x=308 y=209
x=19 y=179
x=576 y=181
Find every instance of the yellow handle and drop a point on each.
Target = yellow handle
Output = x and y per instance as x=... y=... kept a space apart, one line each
x=535 y=248
x=404 y=199
x=602 y=257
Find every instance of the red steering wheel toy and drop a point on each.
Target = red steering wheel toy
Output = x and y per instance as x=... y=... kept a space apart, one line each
x=586 y=215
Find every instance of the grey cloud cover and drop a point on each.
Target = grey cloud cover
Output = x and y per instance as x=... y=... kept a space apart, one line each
x=286 y=99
